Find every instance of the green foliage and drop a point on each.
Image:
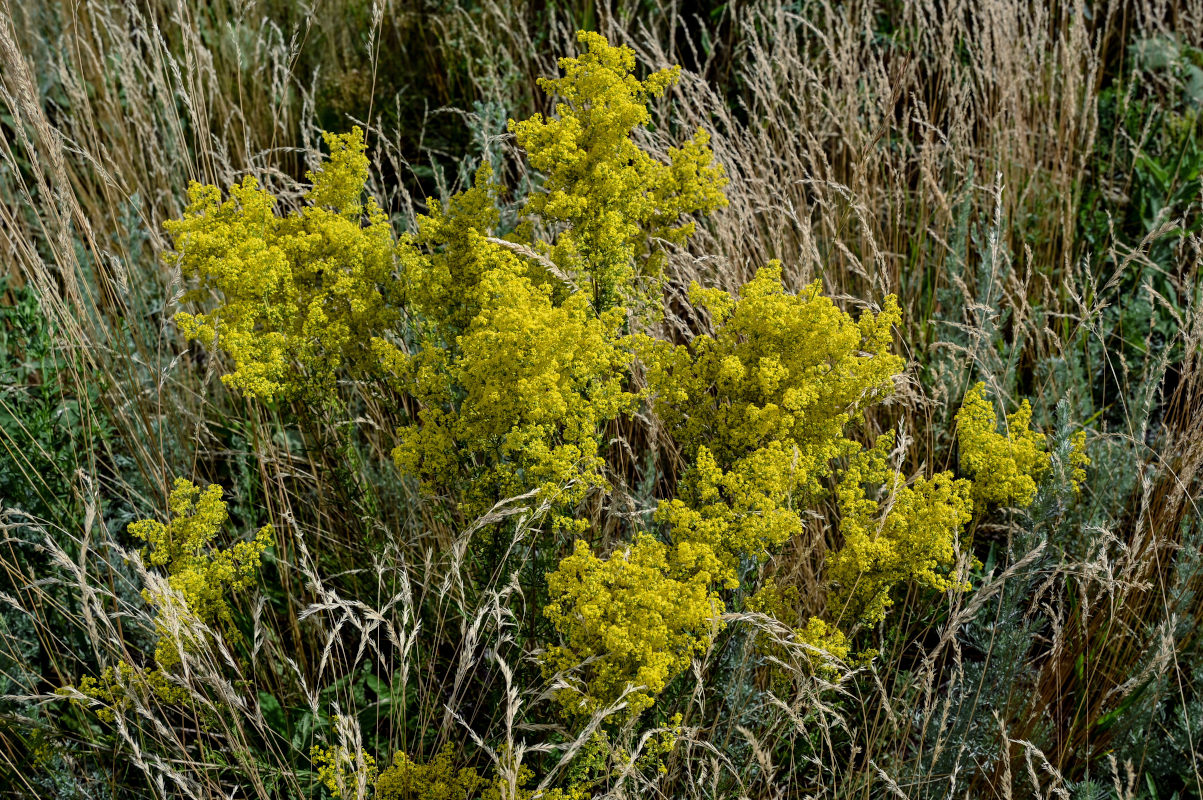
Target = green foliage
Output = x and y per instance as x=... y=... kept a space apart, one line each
x=42 y=423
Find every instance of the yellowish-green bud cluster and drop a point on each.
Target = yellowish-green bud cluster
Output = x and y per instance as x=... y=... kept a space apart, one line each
x=343 y=772
x=437 y=779
x=203 y=575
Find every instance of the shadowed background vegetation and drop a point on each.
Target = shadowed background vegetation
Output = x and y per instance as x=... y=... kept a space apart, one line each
x=1027 y=178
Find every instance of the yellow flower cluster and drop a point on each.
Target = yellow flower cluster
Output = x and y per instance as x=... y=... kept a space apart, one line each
x=1005 y=466
x=446 y=257
x=630 y=620
x=723 y=517
x=613 y=202
x=782 y=602
x=785 y=368
x=112 y=689
x=912 y=541
x=1078 y=460
x=521 y=356
x=522 y=359
x=518 y=403
x=203 y=575
x=299 y=296
x=342 y=771
x=762 y=408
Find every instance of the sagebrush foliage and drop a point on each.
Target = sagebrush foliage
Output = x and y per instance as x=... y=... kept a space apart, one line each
x=525 y=345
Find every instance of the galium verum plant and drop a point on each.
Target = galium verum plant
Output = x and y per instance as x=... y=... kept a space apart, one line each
x=519 y=347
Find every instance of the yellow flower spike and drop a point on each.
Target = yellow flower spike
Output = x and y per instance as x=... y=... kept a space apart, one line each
x=616 y=203
x=1078 y=460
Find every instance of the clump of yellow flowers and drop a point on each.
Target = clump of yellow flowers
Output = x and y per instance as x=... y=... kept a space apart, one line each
x=201 y=579
x=343 y=773
x=1007 y=466
x=635 y=619
x=912 y=541
x=517 y=403
x=761 y=407
x=615 y=204
x=526 y=343
x=202 y=575
x=299 y=296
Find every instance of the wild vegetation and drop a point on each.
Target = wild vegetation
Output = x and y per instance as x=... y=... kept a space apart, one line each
x=425 y=400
